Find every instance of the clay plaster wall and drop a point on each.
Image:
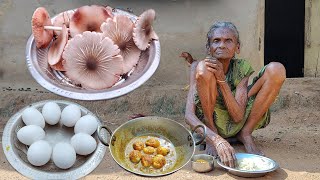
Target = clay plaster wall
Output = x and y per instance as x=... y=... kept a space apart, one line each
x=312 y=38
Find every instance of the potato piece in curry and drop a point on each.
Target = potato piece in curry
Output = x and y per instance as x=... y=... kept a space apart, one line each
x=146 y=160
x=163 y=150
x=149 y=150
x=135 y=156
x=139 y=145
x=158 y=161
x=153 y=142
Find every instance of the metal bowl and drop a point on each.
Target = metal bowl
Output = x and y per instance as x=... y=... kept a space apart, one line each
x=243 y=173
x=58 y=83
x=172 y=134
x=16 y=152
x=206 y=165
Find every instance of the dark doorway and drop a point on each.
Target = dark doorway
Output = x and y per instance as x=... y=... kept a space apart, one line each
x=284 y=34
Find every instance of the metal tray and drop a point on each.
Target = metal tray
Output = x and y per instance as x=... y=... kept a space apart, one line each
x=58 y=83
x=16 y=152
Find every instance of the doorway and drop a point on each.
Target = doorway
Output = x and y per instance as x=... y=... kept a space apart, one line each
x=284 y=35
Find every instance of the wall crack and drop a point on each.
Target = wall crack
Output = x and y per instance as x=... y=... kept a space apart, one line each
x=316 y=73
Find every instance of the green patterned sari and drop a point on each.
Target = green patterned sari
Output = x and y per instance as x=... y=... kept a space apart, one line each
x=238 y=69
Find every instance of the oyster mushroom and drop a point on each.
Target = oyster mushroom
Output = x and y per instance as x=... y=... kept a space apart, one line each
x=143 y=32
x=92 y=60
x=119 y=29
x=62 y=18
x=56 y=50
x=40 y=19
x=89 y=18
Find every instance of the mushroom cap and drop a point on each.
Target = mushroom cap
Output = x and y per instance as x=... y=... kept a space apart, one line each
x=62 y=18
x=41 y=18
x=119 y=29
x=93 y=60
x=143 y=32
x=56 y=49
x=89 y=18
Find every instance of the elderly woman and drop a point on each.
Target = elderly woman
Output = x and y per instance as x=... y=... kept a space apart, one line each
x=220 y=98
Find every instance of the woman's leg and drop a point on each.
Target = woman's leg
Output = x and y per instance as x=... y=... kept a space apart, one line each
x=207 y=91
x=266 y=90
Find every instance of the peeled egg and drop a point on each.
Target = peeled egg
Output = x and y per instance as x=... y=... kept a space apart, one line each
x=51 y=112
x=30 y=134
x=31 y=116
x=39 y=153
x=63 y=155
x=86 y=124
x=70 y=115
x=83 y=144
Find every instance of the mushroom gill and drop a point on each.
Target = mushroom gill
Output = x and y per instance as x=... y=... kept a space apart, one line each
x=56 y=50
x=143 y=32
x=119 y=29
x=93 y=60
x=41 y=18
x=62 y=18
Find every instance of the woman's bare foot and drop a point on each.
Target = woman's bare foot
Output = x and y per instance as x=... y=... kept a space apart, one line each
x=249 y=145
x=211 y=150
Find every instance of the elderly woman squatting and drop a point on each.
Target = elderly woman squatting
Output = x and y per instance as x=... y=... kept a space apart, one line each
x=220 y=98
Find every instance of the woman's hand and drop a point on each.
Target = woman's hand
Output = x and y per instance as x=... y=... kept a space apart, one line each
x=216 y=67
x=225 y=152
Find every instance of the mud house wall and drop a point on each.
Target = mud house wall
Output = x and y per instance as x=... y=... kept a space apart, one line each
x=312 y=38
x=181 y=25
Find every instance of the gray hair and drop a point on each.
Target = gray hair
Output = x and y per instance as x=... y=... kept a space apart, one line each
x=222 y=24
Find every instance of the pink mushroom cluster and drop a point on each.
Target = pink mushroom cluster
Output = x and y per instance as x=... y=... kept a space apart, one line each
x=91 y=45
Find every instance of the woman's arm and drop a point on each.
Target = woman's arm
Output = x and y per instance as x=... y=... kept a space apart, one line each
x=224 y=149
x=190 y=116
x=235 y=105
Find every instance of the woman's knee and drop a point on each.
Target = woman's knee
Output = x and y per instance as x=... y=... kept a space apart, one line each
x=202 y=72
x=276 y=71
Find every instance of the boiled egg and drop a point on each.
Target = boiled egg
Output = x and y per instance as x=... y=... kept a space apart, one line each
x=31 y=116
x=83 y=144
x=30 y=134
x=86 y=124
x=39 y=153
x=70 y=115
x=51 y=112
x=63 y=155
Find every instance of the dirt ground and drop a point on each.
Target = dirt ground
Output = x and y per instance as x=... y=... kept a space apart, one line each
x=291 y=139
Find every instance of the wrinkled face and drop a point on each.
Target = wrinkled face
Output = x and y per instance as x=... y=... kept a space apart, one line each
x=224 y=44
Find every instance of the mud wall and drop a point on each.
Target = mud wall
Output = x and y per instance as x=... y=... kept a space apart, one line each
x=312 y=38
